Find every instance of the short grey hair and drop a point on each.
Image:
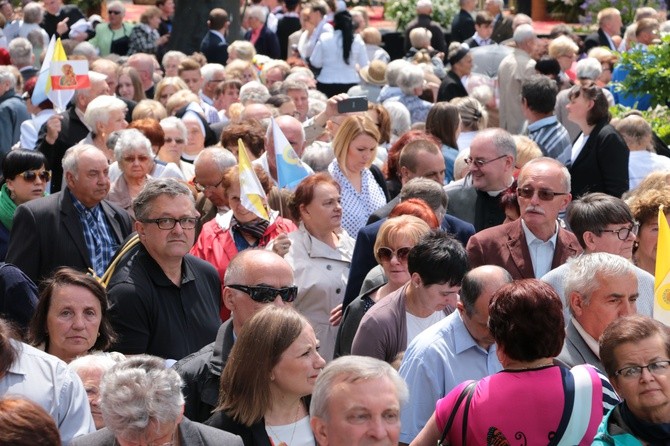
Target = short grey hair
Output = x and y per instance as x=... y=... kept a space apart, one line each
x=393 y=70
x=585 y=270
x=501 y=139
x=426 y=189
x=410 y=78
x=94 y=78
x=131 y=140
x=565 y=173
x=154 y=189
x=33 y=13
x=209 y=70
x=174 y=123
x=70 y=160
x=352 y=369
x=173 y=54
x=401 y=120
x=98 y=110
x=589 y=68
x=95 y=361
x=7 y=75
x=119 y=4
x=20 y=51
x=223 y=158
x=318 y=156
x=523 y=33
x=253 y=92
x=293 y=84
x=85 y=49
x=138 y=391
x=257 y=12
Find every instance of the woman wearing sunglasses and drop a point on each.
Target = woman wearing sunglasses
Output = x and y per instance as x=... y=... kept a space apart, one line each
x=267 y=380
x=25 y=179
x=395 y=239
x=320 y=255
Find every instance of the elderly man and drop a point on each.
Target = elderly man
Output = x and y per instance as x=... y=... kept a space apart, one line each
x=13 y=111
x=75 y=227
x=424 y=11
x=357 y=401
x=66 y=129
x=535 y=243
x=295 y=134
x=22 y=57
x=514 y=69
x=212 y=75
x=265 y=40
x=492 y=160
x=502 y=25
x=603 y=223
x=454 y=350
x=267 y=279
x=600 y=288
x=210 y=166
x=609 y=25
x=298 y=92
x=164 y=301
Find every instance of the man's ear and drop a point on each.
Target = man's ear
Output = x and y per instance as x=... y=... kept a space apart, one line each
x=576 y=303
x=319 y=430
x=228 y=300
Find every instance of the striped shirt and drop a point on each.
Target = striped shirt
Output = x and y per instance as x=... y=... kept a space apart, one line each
x=99 y=237
x=550 y=136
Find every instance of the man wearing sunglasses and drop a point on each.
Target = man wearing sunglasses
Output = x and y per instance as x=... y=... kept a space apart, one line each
x=253 y=280
x=164 y=301
x=603 y=223
x=535 y=243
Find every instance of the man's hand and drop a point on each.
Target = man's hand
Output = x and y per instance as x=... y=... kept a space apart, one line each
x=53 y=128
x=62 y=26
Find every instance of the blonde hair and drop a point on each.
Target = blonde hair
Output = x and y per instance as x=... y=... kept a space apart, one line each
x=562 y=46
x=526 y=150
x=352 y=127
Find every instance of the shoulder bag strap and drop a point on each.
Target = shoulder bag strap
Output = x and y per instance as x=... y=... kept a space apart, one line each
x=468 y=391
x=464 y=433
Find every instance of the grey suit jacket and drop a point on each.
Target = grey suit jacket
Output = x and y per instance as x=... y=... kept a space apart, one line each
x=575 y=351
x=190 y=433
x=47 y=234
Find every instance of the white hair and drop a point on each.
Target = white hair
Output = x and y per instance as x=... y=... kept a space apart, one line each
x=523 y=33
x=401 y=121
x=410 y=79
x=172 y=122
x=253 y=92
x=131 y=140
x=588 y=68
x=99 y=109
x=209 y=70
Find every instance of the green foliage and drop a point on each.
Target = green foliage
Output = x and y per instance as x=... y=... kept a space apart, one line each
x=403 y=11
x=648 y=72
x=658 y=117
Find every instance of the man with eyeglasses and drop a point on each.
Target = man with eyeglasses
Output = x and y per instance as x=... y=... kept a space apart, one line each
x=253 y=280
x=600 y=288
x=535 y=243
x=164 y=301
x=492 y=160
x=603 y=223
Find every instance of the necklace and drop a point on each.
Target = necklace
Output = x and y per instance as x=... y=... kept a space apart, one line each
x=295 y=424
x=534 y=367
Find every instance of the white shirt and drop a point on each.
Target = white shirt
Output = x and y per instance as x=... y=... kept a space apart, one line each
x=578 y=146
x=416 y=324
x=541 y=253
x=327 y=55
x=590 y=341
x=641 y=163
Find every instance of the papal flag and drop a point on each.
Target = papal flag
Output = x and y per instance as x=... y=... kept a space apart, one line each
x=290 y=169
x=252 y=195
x=662 y=272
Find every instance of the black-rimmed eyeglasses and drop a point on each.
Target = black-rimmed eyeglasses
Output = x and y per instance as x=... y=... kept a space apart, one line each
x=624 y=233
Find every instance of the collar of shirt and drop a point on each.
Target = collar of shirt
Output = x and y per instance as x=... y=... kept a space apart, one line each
x=530 y=237
x=81 y=209
x=495 y=193
x=590 y=340
x=219 y=34
x=541 y=123
x=481 y=42
x=206 y=99
x=463 y=340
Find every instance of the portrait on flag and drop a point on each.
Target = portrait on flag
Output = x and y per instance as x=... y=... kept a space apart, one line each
x=69 y=75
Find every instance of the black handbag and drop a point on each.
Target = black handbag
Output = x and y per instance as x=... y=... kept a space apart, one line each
x=468 y=391
x=121 y=45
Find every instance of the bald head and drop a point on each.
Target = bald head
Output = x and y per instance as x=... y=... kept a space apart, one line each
x=256 y=111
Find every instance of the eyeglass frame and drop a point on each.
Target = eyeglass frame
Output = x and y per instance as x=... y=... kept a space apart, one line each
x=174 y=222
x=253 y=290
x=44 y=175
x=637 y=374
x=200 y=188
x=542 y=194
x=635 y=228
x=470 y=161
x=394 y=252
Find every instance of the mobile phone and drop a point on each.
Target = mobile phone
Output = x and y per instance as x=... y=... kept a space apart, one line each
x=354 y=104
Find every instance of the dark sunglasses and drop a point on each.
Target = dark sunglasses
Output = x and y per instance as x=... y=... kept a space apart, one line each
x=543 y=194
x=31 y=175
x=111 y=11
x=266 y=294
x=385 y=254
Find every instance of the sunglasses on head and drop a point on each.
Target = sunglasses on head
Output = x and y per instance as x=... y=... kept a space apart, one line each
x=542 y=194
x=266 y=294
x=385 y=254
x=31 y=175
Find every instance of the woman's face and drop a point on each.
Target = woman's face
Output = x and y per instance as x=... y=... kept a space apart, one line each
x=195 y=140
x=73 y=321
x=324 y=212
x=242 y=214
x=578 y=109
x=174 y=144
x=229 y=96
x=25 y=190
x=299 y=366
x=647 y=237
x=248 y=75
x=136 y=164
x=166 y=92
x=566 y=61
x=91 y=377
x=647 y=395
x=361 y=152
x=116 y=121
x=125 y=88
x=465 y=65
x=154 y=21
x=395 y=263
x=289 y=109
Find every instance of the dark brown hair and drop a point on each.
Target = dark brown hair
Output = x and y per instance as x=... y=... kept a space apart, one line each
x=600 y=110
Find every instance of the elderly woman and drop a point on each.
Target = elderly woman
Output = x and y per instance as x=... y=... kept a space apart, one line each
x=267 y=379
x=460 y=59
x=174 y=142
x=238 y=229
x=320 y=255
x=130 y=85
x=565 y=51
x=104 y=115
x=90 y=369
x=532 y=400
x=242 y=70
x=33 y=14
x=170 y=63
x=337 y=55
x=25 y=177
x=145 y=38
x=645 y=211
x=135 y=160
x=396 y=237
x=241 y=50
x=167 y=87
x=436 y=265
x=635 y=351
x=113 y=37
x=142 y=403
x=355 y=146
x=71 y=316
x=411 y=83
x=599 y=159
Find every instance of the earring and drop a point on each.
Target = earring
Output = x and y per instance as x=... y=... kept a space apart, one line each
x=12 y=195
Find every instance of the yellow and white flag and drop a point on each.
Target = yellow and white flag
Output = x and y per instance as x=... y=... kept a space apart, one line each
x=662 y=272
x=252 y=194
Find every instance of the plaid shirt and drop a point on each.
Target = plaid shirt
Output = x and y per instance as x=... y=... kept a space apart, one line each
x=98 y=235
x=143 y=40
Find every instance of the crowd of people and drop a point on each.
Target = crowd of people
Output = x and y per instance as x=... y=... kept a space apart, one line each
x=467 y=258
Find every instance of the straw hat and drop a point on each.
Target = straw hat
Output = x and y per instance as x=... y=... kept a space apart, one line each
x=374 y=73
